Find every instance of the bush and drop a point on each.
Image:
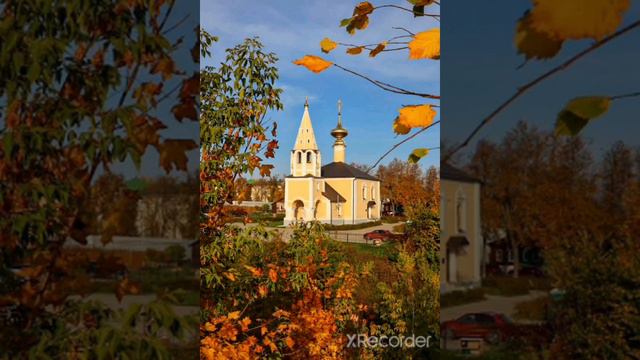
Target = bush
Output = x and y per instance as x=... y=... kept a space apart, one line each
x=400 y=228
x=510 y=286
x=175 y=253
x=536 y=309
x=352 y=226
x=460 y=297
x=393 y=219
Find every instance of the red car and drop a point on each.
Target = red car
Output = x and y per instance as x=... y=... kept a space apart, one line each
x=491 y=326
x=378 y=235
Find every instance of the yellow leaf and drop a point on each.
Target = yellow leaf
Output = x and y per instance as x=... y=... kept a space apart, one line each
x=400 y=128
x=234 y=315
x=378 y=49
x=425 y=45
x=571 y=19
x=534 y=44
x=327 y=45
x=413 y=116
x=355 y=50
x=314 y=63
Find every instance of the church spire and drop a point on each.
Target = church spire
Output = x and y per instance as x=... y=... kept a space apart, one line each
x=306 y=139
x=339 y=147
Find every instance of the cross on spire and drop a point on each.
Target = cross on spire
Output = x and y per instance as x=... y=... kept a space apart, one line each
x=306 y=101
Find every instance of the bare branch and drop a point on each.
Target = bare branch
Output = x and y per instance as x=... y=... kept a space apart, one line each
x=528 y=86
x=402 y=142
x=387 y=87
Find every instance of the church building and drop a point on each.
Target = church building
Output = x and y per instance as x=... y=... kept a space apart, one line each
x=336 y=193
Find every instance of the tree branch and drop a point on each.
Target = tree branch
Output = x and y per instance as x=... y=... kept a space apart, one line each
x=435 y=16
x=402 y=142
x=390 y=88
x=528 y=86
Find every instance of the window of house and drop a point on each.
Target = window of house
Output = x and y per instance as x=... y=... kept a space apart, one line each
x=373 y=193
x=364 y=192
x=461 y=210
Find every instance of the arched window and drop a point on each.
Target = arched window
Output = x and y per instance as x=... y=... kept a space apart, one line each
x=364 y=192
x=461 y=212
x=373 y=193
x=299 y=157
x=309 y=157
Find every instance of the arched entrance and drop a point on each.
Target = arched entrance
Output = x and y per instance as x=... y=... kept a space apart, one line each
x=298 y=210
x=371 y=205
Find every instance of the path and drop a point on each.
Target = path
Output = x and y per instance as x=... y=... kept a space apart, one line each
x=352 y=236
x=502 y=304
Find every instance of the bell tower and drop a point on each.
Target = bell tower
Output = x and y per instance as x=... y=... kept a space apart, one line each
x=339 y=146
x=305 y=156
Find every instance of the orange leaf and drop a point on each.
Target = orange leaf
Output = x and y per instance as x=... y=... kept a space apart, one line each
x=265 y=170
x=166 y=67
x=262 y=290
x=273 y=275
x=244 y=324
x=378 y=49
x=173 y=153
x=355 y=50
x=234 y=315
x=327 y=45
x=425 y=45
x=314 y=63
x=363 y=8
x=289 y=341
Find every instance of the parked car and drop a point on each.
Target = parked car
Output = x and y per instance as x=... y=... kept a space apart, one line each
x=490 y=326
x=495 y=327
x=378 y=235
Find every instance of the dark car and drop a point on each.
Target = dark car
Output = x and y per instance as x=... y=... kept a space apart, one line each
x=490 y=326
x=378 y=235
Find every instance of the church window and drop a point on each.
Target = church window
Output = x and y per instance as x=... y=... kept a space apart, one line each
x=299 y=158
x=308 y=157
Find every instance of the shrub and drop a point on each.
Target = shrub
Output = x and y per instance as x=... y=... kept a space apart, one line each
x=460 y=297
x=400 y=228
x=510 y=286
x=352 y=226
x=536 y=309
x=393 y=219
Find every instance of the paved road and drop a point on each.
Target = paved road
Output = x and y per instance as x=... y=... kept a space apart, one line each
x=502 y=304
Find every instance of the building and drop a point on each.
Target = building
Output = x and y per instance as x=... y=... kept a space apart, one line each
x=461 y=247
x=335 y=193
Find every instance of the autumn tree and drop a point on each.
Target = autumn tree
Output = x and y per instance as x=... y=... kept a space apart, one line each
x=79 y=89
x=403 y=183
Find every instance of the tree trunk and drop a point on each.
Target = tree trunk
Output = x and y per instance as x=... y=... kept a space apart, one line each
x=516 y=258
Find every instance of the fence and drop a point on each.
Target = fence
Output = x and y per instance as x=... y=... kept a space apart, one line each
x=349 y=237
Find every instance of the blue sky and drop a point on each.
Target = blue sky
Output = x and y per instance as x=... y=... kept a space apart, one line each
x=293 y=29
x=479 y=71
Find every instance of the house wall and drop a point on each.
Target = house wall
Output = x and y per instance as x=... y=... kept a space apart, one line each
x=468 y=263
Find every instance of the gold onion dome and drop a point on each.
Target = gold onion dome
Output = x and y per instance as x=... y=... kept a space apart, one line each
x=339 y=132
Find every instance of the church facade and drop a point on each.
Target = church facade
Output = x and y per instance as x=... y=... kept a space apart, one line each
x=336 y=193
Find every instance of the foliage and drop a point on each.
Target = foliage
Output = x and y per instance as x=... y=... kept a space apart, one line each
x=405 y=183
x=79 y=86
